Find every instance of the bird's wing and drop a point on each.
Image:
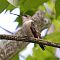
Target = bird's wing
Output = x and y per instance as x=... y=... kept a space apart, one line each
x=35 y=34
x=33 y=29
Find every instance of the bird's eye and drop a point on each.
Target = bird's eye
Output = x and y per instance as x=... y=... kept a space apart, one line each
x=46 y=21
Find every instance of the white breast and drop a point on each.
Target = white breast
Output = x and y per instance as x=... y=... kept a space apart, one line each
x=26 y=28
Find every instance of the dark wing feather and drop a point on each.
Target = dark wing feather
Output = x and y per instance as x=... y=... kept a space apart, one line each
x=33 y=29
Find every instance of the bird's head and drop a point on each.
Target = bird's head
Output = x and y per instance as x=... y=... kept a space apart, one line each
x=41 y=21
x=26 y=18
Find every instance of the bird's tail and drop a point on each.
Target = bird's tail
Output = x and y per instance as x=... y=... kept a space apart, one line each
x=42 y=46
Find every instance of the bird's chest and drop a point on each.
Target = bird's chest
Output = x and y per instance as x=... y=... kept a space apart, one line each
x=27 y=31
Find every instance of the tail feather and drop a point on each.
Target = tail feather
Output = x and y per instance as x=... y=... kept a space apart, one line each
x=42 y=46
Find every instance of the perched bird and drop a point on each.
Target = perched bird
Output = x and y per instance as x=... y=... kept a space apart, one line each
x=30 y=29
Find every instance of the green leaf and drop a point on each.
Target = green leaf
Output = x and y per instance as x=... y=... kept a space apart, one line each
x=57 y=8
x=30 y=5
x=30 y=58
x=41 y=7
x=10 y=7
x=54 y=37
x=30 y=12
x=19 y=20
x=39 y=54
x=56 y=24
x=14 y=2
x=3 y=5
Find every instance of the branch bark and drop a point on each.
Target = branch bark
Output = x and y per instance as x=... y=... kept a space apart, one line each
x=27 y=39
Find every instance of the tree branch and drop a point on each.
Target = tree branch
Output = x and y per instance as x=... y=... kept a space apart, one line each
x=27 y=39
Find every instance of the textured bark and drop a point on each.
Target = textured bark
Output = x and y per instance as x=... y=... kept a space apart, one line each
x=27 y=39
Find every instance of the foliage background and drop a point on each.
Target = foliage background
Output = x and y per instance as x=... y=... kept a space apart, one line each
x=52 y=8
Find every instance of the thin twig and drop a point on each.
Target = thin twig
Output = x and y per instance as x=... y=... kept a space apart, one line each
x=15 y=14
x=27 y=39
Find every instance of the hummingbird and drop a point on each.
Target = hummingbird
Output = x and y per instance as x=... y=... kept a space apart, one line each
x=30 y=29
